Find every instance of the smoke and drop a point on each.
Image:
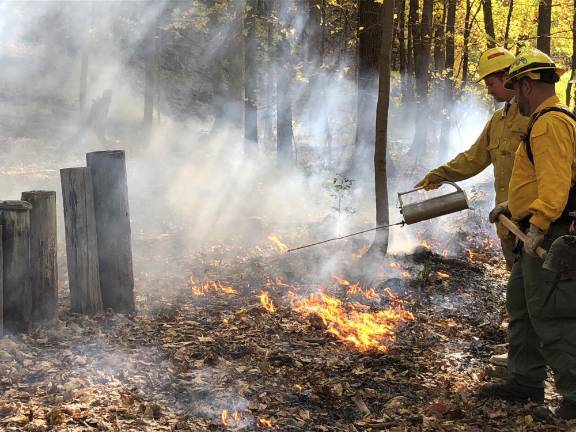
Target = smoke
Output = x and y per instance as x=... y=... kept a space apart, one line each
x=189 y=174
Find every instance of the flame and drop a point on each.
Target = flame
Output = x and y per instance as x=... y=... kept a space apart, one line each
x=360 y=252
x=355 y=289
x=281 y=246
x=471 y=254
x=425 y=244
x=200 y=290
x=442 y=275
x=354 y=322
x=264 y=423
x=228 y=420
x=266 y=302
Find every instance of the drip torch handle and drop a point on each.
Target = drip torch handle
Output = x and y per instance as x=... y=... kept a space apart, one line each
x=513 y=228
x=458 y=188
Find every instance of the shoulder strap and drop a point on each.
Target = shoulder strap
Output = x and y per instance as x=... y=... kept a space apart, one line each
x=526 y=136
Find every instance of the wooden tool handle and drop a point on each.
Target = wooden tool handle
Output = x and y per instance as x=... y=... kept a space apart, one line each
x=513 y=228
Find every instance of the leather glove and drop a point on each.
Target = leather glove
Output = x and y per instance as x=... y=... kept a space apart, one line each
x=430 y=181
x=501 y=208
x=535 y=238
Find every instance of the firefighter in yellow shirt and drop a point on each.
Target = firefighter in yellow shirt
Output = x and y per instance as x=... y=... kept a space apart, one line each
x=541 y=304
x=496 y=144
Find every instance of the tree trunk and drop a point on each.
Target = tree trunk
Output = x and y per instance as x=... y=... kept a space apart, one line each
x=1 y=286
x=380 y=153
x=81 y=243
x=439 y=40
x=544 y=24
x=318 y=118
x=572 y=74
x=17 y=298
x=43 y=255
x=402 y=51
x=508 y=21
x=489 y=23
x=369 y=41
x=450 y=31
x=250 y=78
x=149 y=81
x=422 y=63
x=465 y=52
x=284 y=132
x=110 y=188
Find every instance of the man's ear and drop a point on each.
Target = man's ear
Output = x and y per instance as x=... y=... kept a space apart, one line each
x=526 y=86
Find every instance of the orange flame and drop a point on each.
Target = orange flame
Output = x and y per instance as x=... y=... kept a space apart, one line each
x=355 y=289
x=281 y=246
x=233 y=419
x=353 y=322
x=360 y=252
x=200 y=290
x=442 y=275
x=426 y=244
x=264 y=423
x=266 y=302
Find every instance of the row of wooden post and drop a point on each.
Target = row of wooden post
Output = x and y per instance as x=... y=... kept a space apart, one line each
x=98 y=246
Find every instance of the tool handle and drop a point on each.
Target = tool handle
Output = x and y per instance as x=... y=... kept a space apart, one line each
x=458 y=188
x=513 y=228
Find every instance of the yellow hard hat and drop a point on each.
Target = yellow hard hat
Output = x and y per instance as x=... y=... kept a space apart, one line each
x=529 y=64
x=494 y=60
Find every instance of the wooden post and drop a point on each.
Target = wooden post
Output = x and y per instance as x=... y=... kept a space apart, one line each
x=17 y=305
x=110 y=186
x=1 y=287
x=81 y=247
x=43 y=255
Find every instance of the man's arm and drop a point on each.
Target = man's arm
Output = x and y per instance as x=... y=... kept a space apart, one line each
x=465 y=165
x=553 y=149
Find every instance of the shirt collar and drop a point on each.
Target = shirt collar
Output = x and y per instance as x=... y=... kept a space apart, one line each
x=550 y=102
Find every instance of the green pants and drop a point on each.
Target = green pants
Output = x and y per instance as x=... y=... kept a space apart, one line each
x=542 y=332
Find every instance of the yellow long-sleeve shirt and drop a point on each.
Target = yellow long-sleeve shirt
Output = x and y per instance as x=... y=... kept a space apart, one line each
x=540 y=190
x=496 y=145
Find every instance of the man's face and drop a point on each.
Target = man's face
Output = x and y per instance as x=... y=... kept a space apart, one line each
x=522 y=91
x=495 y=86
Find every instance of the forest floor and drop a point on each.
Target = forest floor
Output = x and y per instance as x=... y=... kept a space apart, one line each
x=242 y=337
x=208 y=351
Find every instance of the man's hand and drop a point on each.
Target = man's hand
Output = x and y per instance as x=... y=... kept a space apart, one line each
x=431 y=181
x=501 y=208
x=535 y=238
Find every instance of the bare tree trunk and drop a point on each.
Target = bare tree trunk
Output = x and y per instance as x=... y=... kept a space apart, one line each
x=448 y=82
x=285 y=135
x=465 y=52
x=572 y=74
x=149 y=82
x=250 y=78
x=369 y=40
x=380 y=153
x=508 y=21
x=439 y=40
x=268 y=128
x=411 y=45
x=402 y=52
x=422 y=62
x=544 y=24
x=489 y=23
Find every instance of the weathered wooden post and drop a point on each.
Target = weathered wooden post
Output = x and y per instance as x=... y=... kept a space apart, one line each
x=17 y=305
x=81 y=247
x=1 y=287
x=43 y=255
x=110 y=186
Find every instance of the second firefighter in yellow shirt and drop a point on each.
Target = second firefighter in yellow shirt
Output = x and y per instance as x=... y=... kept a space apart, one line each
x=495 y=146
